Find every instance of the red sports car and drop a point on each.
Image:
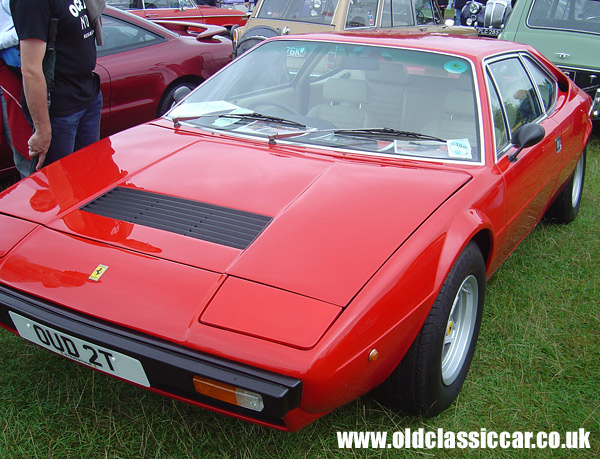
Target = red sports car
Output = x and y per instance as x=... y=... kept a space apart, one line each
x=142 y=65
x=316 y=220
x=182 y=10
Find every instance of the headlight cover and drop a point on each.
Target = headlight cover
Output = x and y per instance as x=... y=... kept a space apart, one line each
x=474 y=8
x=13 y=231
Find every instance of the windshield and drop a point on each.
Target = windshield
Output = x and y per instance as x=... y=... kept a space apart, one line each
x=371 y=99
x=576 y=15
x=316 y=11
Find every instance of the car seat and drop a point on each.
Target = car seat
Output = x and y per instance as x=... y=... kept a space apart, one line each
x=345 y=104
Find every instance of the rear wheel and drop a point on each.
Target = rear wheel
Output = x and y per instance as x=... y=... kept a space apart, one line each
x=169 y=98
x=566 y=206
x=434 y=369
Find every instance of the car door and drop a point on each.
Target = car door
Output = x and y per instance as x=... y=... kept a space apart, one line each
x=567 y=139
x=130 y=74
x=531 y=178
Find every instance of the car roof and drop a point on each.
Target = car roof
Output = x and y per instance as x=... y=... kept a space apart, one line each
x=475 y=48
x=130 y=17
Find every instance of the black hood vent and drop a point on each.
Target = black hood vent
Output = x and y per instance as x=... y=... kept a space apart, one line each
x=221 y=225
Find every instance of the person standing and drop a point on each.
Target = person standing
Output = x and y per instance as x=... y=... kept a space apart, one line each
x=15 y=128
x=458 y=6
x=64 y=109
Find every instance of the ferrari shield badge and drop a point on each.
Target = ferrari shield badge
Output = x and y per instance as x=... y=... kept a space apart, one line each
x=98 y=272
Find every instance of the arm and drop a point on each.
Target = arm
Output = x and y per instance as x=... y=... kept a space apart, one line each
x=34 y=86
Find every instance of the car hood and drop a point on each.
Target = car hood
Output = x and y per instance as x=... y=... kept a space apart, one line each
x=315 y=225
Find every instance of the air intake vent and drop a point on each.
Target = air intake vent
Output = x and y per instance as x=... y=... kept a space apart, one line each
x=221 y=225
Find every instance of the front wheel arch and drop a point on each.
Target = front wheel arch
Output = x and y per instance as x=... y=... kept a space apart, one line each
x=424 y=383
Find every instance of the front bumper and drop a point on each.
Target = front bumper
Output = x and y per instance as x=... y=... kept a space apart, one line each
x=169 y=368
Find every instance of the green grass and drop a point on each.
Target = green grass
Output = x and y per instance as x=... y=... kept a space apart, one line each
x=536 y=368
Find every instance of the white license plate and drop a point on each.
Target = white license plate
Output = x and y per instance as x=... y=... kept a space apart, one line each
x=90 y=354
x=488 y=32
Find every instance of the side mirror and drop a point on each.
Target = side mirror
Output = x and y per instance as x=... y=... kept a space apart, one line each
x=526 y=136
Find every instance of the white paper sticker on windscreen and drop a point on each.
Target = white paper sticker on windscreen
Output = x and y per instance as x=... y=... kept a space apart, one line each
x=459 y=149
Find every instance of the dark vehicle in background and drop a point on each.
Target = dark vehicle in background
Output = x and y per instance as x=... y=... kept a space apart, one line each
x=141 y=66
x=488 y=17
x=567 y=32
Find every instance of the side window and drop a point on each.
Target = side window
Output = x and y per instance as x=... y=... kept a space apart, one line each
x=125 y=4
x=578 y=15
x=517 y=94
x=122 y=36
x=500 y=131
x=397 y=13
x=426 y=13
x=545 y=84
x=361 y=14
x=169 y=4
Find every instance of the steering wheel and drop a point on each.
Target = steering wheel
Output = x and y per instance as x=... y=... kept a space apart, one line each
x=285 y=108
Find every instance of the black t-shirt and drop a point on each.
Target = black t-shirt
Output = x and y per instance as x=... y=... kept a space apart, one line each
x=75 y=83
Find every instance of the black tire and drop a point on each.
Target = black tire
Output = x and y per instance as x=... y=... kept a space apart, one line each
x=566 y=206
x=431 y=374
x=246 y=44
x=168 y=99
x=252 y=37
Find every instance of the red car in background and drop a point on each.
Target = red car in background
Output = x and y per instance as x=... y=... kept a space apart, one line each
x=182 y=10
x=141 y=66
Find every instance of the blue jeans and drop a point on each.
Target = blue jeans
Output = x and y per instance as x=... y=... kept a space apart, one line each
x=72 y=132
x=22 y=163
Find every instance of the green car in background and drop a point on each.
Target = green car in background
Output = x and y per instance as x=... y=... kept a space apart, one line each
x=567 y=32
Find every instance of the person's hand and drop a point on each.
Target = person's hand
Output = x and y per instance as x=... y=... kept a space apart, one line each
x=38 y=147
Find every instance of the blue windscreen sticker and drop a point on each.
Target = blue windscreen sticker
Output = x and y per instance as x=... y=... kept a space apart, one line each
x=455 y=66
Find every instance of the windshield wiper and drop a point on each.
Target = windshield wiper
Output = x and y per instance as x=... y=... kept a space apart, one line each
x=387 y=133
x=243 y=116
x=260 y=117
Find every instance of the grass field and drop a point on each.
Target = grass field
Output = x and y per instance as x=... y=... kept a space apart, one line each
x=536 y=368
